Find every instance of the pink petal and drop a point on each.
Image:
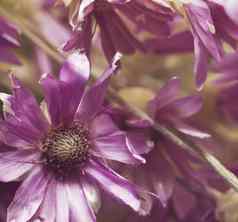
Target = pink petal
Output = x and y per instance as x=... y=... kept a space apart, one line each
x=28 y=197
x=14 y=164
x=116 y=185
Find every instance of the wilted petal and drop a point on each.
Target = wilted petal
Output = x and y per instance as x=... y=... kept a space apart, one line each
x=16 y=163
x=28 y=197
x=111 y=182
x=115 y=36
x=93 y=98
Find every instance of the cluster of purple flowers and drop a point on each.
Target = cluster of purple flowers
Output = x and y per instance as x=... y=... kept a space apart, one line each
x=61 y=150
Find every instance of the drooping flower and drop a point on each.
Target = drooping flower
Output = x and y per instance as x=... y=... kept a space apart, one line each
x=165 y=161
x=8 y=41
x=205 y=42
x=60 y=153
x=210 y=27
x=116 y=21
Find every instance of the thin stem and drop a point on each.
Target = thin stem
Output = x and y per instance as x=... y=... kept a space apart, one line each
x=225 y=173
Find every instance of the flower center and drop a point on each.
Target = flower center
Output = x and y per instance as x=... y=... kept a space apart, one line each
x=66 y=148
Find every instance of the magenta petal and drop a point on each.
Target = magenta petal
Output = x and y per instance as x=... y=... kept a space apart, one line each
x=168 y=93
x=25 y=107
x=183 y=202
x=17 y=134
x=63 y=96
x=79 y=208
x=53 y=95
x=190 y=130
x=28 y=197
x=115 y=36
x=113 y=147
x=7 y=56
x=184 y=107
x=93 y=98
x=163 y=181
x=102 y=125
x=8 y=32
x=113 y=183
x=16 y=163
x=140 y=142
x=62 y=204
x=76 y=71
x=47 y=211
x=201 y=63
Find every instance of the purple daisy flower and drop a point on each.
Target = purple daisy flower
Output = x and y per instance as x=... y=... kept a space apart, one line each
x=171 y=110
x=8 y=40
x=61 y=154
x=115 y=20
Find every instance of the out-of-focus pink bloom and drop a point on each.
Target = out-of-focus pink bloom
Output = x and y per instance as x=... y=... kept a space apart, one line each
x=165 y=161
x=8 y=41
x=116 y=19
x=231 y=8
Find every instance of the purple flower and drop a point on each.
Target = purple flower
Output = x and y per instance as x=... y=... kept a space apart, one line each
x=166 y=161
x=61 y=153
x=8 y=41
x=205 y=42
x=116 y=20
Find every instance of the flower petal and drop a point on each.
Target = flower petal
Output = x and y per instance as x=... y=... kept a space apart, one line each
x=62 y=203
x=79 y=208
x=201 y=63
x=102 y=125
x=47 y=211
x=24 y=107
x=16 y=163
x=166 y=95
x=28 y=197
x=114 y=147
x=93 y=98
x=63 y=96
x=111 y=182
